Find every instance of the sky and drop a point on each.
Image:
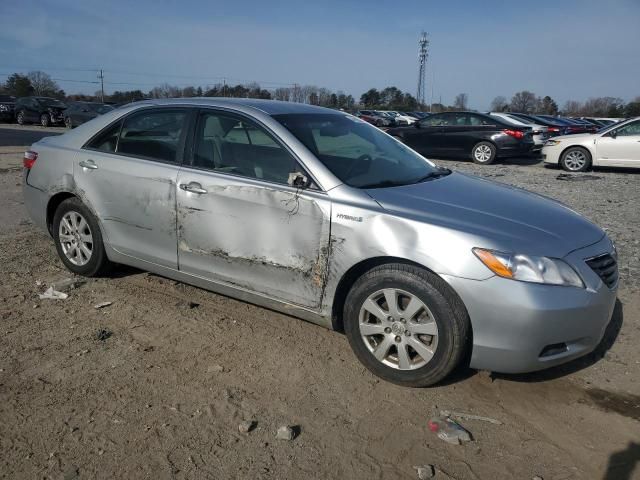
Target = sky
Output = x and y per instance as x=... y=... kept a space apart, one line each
x=569 y=49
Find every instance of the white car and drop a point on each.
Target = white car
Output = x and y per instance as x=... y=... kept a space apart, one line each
x=617 y=146
x=402 y=118
x=540 y=133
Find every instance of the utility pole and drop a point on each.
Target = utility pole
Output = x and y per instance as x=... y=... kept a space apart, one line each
x=423 y=45
x=101 y=77
x=224 y=87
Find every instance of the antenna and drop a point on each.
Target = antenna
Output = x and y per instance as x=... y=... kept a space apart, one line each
x=423 y=54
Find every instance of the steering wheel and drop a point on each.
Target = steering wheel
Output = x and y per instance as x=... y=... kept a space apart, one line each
x=365 y=156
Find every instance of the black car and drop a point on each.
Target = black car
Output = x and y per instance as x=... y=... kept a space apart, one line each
x=7 y=106
x=464 y=134
x=43 y=110
x=78 y=113
x=573 y=126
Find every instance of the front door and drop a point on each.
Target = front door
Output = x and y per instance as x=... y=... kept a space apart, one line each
x=623 y=149
x=240 y=222
x=128 y=175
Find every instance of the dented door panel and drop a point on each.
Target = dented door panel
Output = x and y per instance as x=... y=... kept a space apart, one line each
x=267 y=238
x=134 y=201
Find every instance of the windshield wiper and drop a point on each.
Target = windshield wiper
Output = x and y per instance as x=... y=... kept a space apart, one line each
x=441 y=172
x=384 y=183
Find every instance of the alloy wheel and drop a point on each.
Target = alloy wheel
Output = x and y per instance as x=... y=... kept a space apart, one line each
x=398 y=329
x=482 y=153
x=575 y=160
x=75 y=238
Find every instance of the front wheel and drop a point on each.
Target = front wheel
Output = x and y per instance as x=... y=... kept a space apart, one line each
x=20 y=118
x=78 y=239
x=44 y=120
x=68 y=123
x=575 y=159
x=484 y=153
x=406 y=325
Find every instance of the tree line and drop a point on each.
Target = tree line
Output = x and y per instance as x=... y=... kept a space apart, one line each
x=390 y=98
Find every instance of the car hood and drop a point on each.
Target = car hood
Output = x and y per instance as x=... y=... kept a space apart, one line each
x=503 y=217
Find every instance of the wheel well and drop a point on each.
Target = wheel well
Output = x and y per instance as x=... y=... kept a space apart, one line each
x=52 y=206
x=351 y=276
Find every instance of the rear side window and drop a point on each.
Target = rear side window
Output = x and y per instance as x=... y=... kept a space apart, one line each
x=107 y=140
x=153 y=134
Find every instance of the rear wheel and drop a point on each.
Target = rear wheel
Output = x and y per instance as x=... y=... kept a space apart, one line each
x=484 y=153
x=78 y=239
x=44 y=120
x=68 y=123
x=20 y=118
x=406 y=325
x=575 y=159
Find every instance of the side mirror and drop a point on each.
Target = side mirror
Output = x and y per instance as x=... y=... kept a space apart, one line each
x=298 y=180
x=613 y=133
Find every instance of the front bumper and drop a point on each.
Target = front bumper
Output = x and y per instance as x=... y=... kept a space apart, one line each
x=517 y=326
x=551 y=154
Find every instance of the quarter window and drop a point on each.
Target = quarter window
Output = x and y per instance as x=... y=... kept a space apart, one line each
x=152 y=134
x=229 y=144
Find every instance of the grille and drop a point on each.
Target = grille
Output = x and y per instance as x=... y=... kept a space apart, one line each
x=606 y=267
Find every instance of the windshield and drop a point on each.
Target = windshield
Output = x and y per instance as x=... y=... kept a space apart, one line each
x=51 y=102
x=357 y=153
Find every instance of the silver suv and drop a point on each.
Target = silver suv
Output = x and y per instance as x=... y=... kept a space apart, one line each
x=318 y=214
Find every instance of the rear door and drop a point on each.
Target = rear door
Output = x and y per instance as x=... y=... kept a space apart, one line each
x=623 y=149
x=128 y=175
x=239 y=221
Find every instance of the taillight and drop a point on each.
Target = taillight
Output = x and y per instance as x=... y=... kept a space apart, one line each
x=29 y=159
x=514 y=133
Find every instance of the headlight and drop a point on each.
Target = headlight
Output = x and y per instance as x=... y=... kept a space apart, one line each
x=528 y=268
x=551 y=143
x=4 y=108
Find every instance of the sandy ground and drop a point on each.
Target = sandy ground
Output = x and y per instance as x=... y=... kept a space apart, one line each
x=163 y=395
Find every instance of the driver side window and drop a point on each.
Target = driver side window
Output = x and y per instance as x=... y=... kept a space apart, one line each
x=631 y=129
x=438 y=121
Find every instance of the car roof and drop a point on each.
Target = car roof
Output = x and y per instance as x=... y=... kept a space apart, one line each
x=270 y=107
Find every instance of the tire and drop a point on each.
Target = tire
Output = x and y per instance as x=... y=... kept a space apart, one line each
x=440 y=325
x=20 y=117
x=68 y=123
x=484 y=153
x=69 y=213
x=575 y=159
x=45 y=120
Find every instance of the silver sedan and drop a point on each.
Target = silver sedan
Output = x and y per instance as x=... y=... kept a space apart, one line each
x=315 y=213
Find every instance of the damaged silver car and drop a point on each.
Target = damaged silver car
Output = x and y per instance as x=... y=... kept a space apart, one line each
x=315 y=213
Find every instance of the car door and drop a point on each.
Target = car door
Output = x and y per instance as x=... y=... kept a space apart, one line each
x=240 y=223
x=127 y=173
x=426 y=136
x=620 y=147
x=32 y=110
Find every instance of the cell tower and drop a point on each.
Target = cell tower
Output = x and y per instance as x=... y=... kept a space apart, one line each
x=423 y=53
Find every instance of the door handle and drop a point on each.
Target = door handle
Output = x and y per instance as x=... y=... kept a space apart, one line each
x=193 y=187
x=88 y=164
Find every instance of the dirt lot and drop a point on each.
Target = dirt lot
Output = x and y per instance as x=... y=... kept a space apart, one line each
x=163 y=395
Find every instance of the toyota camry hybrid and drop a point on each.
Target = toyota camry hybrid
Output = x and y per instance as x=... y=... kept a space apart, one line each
x=316 y=213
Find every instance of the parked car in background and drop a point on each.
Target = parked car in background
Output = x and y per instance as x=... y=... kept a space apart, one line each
x=593 y=121
x=374 y=118
x=78 y=113
x=7 y=107
x=419 y=115
x=401 y=118
x=572 y=126
x=482 y=137
x=615 y=146
x=554 y=128
x=540 y=133
x=43 y=110
x=423 y=268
